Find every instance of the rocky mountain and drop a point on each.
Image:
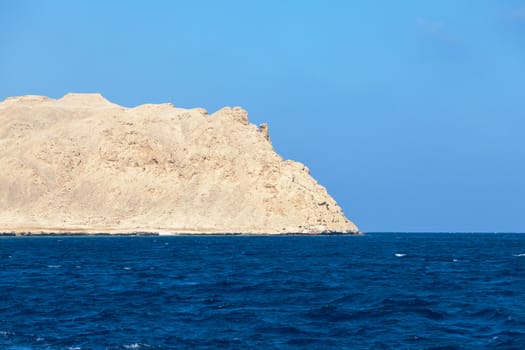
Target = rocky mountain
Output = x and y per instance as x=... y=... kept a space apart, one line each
x=83 y=164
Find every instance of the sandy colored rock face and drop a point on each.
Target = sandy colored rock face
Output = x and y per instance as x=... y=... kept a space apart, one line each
x=84 y=164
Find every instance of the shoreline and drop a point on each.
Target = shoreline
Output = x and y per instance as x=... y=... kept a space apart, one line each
x=144 y=233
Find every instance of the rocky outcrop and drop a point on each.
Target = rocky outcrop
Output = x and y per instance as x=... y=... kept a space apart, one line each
x=83 y=164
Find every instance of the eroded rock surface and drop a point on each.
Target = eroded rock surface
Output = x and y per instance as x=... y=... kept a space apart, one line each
x=83 y=164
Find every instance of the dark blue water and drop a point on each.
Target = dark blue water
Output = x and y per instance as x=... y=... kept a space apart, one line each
x=378 y=291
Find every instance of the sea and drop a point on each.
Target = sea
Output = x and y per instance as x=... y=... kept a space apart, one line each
x=375 y=291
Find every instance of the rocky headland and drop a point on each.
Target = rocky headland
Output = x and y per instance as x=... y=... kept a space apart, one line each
x=82 y=164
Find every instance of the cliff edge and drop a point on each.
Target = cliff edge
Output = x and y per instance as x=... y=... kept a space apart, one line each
x=83 y=164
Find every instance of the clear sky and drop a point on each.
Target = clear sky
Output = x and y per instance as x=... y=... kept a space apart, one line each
x=411 y=113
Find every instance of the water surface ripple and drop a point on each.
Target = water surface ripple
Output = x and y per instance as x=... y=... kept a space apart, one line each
x=378 y=291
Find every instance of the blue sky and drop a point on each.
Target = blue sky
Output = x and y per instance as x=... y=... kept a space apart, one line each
x=411 y=113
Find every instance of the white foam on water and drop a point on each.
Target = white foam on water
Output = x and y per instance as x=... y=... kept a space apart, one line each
x=54 y=266
x=522 y=254
x=136 y=346
x=126 y=268
x=400 y=255
x=454 y=260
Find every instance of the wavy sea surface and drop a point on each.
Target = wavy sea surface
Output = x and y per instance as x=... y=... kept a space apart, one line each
x=377 y=291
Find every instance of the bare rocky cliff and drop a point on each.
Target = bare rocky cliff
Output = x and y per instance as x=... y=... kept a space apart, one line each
x=83 y=164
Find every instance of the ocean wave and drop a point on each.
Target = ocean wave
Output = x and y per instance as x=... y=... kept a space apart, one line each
x=280 y=293
x=6 y=333
x=137 y=346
